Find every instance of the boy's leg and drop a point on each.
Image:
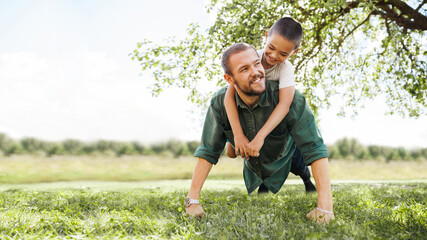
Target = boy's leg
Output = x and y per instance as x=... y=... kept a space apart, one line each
x=262 y=188
x=229 y=149
x=299 y=168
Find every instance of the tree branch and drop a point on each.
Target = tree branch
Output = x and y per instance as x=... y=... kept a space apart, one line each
x=418 y=8
x=350 y=5
x=355 y=28
x=414 y=20
x=348 y=34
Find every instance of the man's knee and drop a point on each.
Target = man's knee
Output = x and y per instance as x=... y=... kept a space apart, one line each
x=229 y=150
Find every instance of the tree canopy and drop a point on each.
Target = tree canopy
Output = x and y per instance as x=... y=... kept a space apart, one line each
x=355 y=50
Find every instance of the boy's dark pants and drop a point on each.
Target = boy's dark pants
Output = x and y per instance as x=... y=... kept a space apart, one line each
x=298 y=168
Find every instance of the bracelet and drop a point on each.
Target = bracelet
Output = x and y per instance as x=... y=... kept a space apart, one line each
x=324 y=211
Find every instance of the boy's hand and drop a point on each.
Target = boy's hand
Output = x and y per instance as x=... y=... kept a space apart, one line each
x=254 y=146
x=240 y=146
x=320 y=217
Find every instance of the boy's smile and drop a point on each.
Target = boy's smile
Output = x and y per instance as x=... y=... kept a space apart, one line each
x=277 y=50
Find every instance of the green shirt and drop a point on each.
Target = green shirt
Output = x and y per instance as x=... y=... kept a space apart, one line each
x=273 y=165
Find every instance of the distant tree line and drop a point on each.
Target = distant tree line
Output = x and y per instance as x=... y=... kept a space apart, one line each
x=349 y=149
x=35 y=146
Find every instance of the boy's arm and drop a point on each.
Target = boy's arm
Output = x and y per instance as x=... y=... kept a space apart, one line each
x=240 y=140
x=201 y=172
x=286 y=96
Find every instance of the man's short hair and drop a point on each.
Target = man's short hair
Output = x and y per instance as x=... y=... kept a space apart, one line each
x=235 y=48
x=288 y=28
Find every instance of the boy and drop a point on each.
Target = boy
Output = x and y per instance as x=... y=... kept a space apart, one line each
x=282 y=40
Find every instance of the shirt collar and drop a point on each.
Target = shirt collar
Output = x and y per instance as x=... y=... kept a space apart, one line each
x=263 y=101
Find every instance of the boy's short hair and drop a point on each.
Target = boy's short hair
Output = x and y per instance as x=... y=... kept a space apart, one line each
x=235 y=48
x=288 y=28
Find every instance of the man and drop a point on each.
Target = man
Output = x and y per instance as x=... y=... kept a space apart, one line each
x=256 y=99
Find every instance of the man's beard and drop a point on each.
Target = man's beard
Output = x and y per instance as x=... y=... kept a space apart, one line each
x=251 y=92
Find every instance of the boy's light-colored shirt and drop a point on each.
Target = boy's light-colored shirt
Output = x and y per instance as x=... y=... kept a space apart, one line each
x=282 y=72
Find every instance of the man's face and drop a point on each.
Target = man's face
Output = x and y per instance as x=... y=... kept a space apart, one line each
x=248 y=73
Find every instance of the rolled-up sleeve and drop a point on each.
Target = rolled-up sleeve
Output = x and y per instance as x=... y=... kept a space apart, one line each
x=304 y=131
x=213 y=136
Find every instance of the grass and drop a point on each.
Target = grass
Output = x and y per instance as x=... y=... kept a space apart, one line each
x=28 y=169
x=104 y=198
x=363 y=211
x=375 y=170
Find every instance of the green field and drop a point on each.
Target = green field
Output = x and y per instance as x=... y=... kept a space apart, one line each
x=142 y=198
x=28 y=169
x=154 y=210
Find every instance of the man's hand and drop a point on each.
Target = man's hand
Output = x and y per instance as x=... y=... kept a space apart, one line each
x=194 y=210
x=254 y=146
x=320 y=217
x=240 y=145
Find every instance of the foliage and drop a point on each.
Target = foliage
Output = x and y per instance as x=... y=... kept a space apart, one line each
x=192 y=146
x=74 y=147
x=55 y=149
x=31 y=145
x=355 y=50
x=141 y=149
x=349 y=149
x=380 y=211
x=13 y=148
x=352 y=149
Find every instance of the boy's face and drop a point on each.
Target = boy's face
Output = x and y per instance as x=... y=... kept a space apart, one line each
x=277 y=49
x=247 y=72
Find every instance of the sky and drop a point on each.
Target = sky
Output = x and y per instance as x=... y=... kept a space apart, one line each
x=65 y=73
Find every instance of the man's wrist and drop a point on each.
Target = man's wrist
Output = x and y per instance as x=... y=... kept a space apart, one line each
x=325 y=206
x=324 y=201
x=190 y=201
x=324 y=211
x=193 y=194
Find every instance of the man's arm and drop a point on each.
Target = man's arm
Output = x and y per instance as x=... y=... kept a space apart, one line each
x=201 y=172
x=320 y=169
x=212 y=144
x=324 y=211
x=307 y=137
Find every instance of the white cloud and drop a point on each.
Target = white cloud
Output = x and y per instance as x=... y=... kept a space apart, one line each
x=22 y=67
x=97 y=98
